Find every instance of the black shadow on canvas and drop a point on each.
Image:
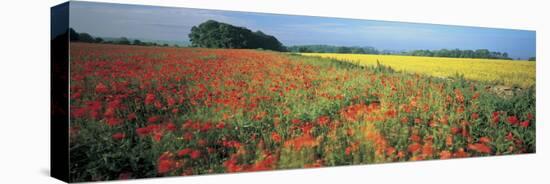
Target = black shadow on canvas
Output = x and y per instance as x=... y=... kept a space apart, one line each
x=59 y=101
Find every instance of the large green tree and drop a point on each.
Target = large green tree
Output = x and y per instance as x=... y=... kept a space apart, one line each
x=213 y=34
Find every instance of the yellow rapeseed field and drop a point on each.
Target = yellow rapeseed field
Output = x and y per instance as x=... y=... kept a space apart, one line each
x=520 y=73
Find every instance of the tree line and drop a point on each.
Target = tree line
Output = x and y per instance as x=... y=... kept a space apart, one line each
x=88 y=38
x=454 y=53
x=457 y=53
x=332 y=49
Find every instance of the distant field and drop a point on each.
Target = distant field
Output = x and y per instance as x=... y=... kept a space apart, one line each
x=520 y=73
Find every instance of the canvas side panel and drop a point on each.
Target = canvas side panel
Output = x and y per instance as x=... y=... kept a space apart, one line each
x=59 y=90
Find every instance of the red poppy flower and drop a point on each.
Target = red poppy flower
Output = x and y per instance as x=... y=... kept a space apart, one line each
x=158 y=105
x=142 y=131
x=481 y=148
x=101 y=88
x=485 y=140
x=460 y=153
x=202 y=142
x=349 y=149
x=132 y=116
x=188 y=136
x=390 y=151
x=449 y=140
x=165 y=166
x=414 y=147
x=171 y=126
x=231 y=144
x=113 y=121
x=149 y=98
x=427 y=150
x=475 y=116
x=170 y=101
x=510 y=136
x=184 y=152
x=445 y=154
x=205 y=127
x=78 y=112
x=220 y=125
x=524 y=123
x=153 y=119
x=496 y=117
x=109 y=112
x=404 y=120
x=415 y=138
x=390 y=113
x=306 y=140
x=513 y=120
x=118 y=136
x=530 y=116
x=195 y=154
x=323 y=120
x=276 y=137
x=158 y=136
x=231 y=165
x=455 y=130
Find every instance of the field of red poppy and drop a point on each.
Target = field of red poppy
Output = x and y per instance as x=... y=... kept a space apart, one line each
x=139 y=112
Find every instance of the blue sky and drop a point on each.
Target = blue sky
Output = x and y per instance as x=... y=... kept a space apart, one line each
x=174 y=24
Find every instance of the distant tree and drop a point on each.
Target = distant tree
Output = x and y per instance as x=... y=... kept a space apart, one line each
x=213 y=34
x=343 y=50
x=357 y=50
x=443 y=53
x=332 y=49
x=303 y=49
x=468 y=54
x=123 y=41
x=137 y=42
x=532 y=59
x=370 y=50
x=482 y=53
x=73 y=35
x=98 y=40
x=85 y=37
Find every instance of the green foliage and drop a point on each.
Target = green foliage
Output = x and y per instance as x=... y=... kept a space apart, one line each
x=88 y=38
x=137 y=42
x=123 y=41
x=85 y=37
x=213 y=34
x=96 y=156
x=98 y=40
x=73 y=35
x=332 y=49
x=455 y=53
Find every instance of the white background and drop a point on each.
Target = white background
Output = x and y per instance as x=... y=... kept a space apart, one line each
x=24 y=90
